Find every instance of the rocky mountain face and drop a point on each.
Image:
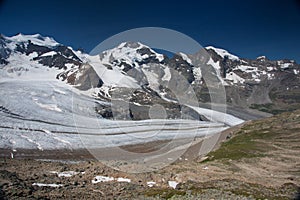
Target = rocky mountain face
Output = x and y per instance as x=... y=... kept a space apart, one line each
x=141 y=77
x=263 y=84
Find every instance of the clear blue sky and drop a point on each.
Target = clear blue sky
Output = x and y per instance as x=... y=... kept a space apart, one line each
x=247 y=28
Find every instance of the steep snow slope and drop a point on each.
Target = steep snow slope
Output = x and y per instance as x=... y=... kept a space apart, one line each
x=111 y=77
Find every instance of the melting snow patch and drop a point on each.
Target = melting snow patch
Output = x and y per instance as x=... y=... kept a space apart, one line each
x=173 y=184
x=99 y=179
x=47 y=185
x=151 y=183
x=123 y=180
x=66 y=174
x=50 y=53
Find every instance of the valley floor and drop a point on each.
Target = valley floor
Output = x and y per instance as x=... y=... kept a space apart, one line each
x=260 y=161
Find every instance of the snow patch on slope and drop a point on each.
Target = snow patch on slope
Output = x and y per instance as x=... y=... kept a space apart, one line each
x=186 y=58
x=50 y=53
x=216 y=66
x=47 y=185
x=111 y=77
x=167 y=76
x=23 y=67
x=234 y=78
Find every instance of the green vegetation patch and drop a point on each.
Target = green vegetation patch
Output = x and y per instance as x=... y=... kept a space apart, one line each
x=164 y=193
x=241 y=146
x=255 y=139
x=268 y=108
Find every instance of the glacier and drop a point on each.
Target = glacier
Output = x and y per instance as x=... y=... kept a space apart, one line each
x=67 y=120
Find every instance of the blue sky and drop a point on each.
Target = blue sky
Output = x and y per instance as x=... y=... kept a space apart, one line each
x=246 y=28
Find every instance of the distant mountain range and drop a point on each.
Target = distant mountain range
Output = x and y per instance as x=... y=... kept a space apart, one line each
x=139 y=75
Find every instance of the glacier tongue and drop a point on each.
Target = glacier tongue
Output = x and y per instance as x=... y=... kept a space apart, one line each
x=26 y=124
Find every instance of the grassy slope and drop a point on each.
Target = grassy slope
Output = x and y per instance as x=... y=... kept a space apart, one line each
x=257 y=138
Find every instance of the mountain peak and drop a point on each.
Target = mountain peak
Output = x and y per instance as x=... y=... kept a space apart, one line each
x=35 y=39
x=222 y=53
x=130 y=52
x=261 y=58
x=131 y=44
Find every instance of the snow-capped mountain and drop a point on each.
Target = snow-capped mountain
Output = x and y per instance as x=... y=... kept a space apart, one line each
x=132 y=65
x=35 y=57
x=259 y=83
x=22 y=55
x=50 y=91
